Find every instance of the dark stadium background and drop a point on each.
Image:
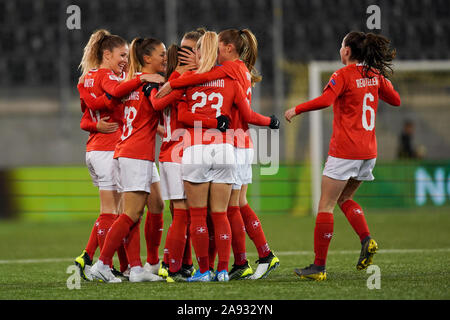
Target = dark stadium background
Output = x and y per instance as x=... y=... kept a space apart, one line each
x=42 y=158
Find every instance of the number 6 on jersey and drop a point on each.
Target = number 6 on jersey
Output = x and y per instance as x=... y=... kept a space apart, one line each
x=365 y=107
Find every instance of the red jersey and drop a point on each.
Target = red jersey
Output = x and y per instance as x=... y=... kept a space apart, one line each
x=140 y=122
x=97 y=82
x=210 y=100
x=355 y=110
x=236 y=70
x=173 y=129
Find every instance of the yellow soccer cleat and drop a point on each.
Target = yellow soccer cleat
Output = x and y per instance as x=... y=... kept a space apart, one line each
x=312 y=272
x=84 y=263
x=240 y=272
x=368 y=248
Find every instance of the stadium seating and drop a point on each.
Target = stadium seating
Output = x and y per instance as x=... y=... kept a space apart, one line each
x=311 y=29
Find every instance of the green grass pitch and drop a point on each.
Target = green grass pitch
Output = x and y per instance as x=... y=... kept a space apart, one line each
x=414 y=260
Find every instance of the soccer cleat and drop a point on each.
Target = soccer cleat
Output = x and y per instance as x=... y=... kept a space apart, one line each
x=368 y=248
x=121 y=275
x=139 y=274
x=312 y=272
x=126 y=273
x=187 y=270
x=103 y=273
x=84 y=263
x=176 y=277
x=200 y=277
x=240 y=272
x=157 y=269
x=221 y=276
x=265 y=266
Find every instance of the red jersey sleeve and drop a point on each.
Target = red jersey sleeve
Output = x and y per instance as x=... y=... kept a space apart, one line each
x=188 y=118
x=337 y=83
x=82 y=105
x=161 y=103
x=325 y=100
x=92 y=103
x=111 y=84
x=174 y=75
x=248 y=115
x=387 y=92
x=197 y=78
x=87 y=124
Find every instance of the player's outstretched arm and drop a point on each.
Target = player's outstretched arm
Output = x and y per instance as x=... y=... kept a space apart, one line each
x=188 y=118
x=325 y=100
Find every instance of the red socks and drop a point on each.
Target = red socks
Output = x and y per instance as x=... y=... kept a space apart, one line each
x=355 y=216
x=153 y=232
x=176 y=240
x=323 y=233
x=212 y=249
x=255 y=231
x=119 y=230
x=187 y=256
x=199 y=236
x=238 y=235
x=132 y=244
x=222 y=237
x=105 y=221
x=92 y=244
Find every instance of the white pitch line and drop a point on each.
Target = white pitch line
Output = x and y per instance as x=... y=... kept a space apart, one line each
x=278 y=253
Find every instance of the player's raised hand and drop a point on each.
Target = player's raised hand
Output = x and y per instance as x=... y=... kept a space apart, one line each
x=186 y=57
x=160 y=131
x=289 y=114
x=164 y=90
x=103 y=126
x=156 y=78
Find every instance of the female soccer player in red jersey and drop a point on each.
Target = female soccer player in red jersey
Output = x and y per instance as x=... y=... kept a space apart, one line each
x=177 y=252
x=110 y=53
x=353 y=91
x=238 y=50
x=134 y=157
x=208 y=163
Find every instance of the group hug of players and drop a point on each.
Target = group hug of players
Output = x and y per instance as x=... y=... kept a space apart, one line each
x=197 y=98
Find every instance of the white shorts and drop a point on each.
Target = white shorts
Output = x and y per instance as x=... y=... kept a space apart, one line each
x=244 y=159
x=101 y=168
x=209 y=163
x=344 y=169
x=172 y=186
x=135 y=174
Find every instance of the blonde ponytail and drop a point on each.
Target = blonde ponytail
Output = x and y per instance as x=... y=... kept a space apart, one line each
x=208 y=44
x=134 y=65
x=90 y=58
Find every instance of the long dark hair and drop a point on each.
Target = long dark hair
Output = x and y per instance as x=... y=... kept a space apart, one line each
x=373 y=50
x=172 y=59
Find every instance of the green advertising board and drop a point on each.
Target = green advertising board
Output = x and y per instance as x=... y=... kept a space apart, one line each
x=67 y=192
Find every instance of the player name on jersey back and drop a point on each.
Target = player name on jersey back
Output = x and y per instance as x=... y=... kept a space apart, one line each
x=220 y=83
x=366 y=82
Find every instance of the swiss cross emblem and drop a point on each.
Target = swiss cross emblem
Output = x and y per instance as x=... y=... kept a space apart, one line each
x=224 y=237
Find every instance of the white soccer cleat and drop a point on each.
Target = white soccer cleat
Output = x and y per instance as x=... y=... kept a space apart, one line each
x=265 y=266
x=88 y=273
x=139 y=274
x=103 y=273
x=156 y=269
